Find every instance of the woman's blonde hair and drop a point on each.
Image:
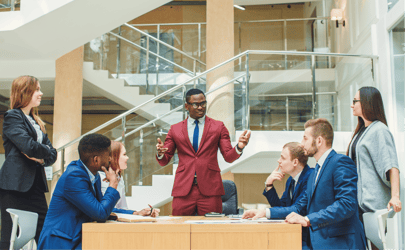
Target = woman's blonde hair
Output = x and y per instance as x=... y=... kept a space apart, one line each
x=22 y=90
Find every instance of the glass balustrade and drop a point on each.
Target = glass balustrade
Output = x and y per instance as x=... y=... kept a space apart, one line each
x=130 y=52
x=9 y=5
x=257 y=90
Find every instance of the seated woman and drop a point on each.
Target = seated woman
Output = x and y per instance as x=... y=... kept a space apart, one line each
x=118 y=163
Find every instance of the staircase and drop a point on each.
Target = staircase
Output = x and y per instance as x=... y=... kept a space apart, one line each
x=148 y=182
x=37 y=18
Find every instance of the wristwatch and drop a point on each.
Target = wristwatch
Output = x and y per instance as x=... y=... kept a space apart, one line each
x=239 y=149
x=267 y=185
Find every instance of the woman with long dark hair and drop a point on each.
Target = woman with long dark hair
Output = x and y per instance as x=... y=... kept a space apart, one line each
x=372 y=149
x=27 y=149
x=118 y=163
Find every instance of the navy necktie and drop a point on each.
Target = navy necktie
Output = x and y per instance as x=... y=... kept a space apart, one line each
x=316 y=172
x=195 y=136
x=292 y=188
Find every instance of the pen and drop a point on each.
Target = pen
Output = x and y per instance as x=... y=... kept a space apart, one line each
x=151 y=209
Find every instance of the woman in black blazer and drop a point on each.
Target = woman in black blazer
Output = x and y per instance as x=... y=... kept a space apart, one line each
x=28 y=149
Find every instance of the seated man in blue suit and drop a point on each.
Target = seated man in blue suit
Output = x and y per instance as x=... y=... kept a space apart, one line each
x=293 y=161
x=330 y=203
x=77 y=197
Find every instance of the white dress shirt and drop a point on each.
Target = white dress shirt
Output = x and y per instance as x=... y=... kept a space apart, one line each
x=321 y=161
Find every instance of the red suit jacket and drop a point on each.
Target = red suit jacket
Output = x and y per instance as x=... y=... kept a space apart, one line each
x=204 y=162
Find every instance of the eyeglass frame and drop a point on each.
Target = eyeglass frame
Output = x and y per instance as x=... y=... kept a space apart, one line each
x=354 y=101
x=199 y=104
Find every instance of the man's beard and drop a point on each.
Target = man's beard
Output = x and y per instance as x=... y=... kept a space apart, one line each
x=313 y=150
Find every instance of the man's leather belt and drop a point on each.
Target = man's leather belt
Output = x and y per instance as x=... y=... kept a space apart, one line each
x=195 y=180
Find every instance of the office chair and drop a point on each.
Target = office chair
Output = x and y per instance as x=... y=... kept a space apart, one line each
x=27 y=224
x=381 y=229
x=230 y=198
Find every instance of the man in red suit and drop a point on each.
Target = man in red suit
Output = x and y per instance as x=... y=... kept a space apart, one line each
x=198 y=184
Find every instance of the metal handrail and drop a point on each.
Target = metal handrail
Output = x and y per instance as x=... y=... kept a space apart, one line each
x=166 y=44
x=119 y=117
x=149 y=101
x=250 y=21
x=304 y=53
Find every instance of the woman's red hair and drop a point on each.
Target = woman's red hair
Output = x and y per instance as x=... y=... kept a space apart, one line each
x=115 y=155
x=22 y=90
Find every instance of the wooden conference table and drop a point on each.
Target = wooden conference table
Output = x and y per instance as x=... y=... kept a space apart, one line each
x=175 y=234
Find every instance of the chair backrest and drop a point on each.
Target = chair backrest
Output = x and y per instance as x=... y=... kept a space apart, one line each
x=230 y=198
x=27 y=223
x=379 y=227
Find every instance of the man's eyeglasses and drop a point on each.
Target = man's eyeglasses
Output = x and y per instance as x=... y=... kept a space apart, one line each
x=196 y=105
x=354 y=101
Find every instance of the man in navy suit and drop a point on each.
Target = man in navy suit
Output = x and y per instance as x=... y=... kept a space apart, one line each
x=77 y=197
x=293 y=161
x=330 y=203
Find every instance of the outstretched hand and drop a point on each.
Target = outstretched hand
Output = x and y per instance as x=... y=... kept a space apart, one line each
x=244 y=139
x=160 y=147
x=254 y=214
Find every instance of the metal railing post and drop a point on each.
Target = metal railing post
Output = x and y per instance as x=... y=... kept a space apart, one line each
x=328 y=43
x=184 y=101
x=124 y=128
x=199 y=41
x=140 y=156
x=240 y=44
x=157 y=61
x=285 y=43
x=194 y=71
x=247 y=93
x=119 y=53
x=287 y=118
x=147 y=64
x=12 y=5
x=313 y=87
x=244 y=125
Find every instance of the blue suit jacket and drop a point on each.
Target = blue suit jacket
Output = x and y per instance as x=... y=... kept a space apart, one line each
x=331 y=206
x=73 y=203
x=284 y=206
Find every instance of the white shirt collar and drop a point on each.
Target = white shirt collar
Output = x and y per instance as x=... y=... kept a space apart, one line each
x=323 y=157
x=91 y=175
x=192 y=120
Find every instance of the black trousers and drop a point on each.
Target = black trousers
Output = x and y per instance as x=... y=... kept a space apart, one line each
x=33 y=200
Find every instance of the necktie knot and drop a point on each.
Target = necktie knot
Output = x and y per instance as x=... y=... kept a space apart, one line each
x=196 y=122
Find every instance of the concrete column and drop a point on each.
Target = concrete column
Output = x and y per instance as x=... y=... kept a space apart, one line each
x=220 y=47
x=67 y=118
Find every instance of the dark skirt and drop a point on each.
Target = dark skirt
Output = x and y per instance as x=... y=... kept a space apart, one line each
x=33 y=200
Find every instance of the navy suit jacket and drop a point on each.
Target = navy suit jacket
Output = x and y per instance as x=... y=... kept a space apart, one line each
x=331 y=206
x=73 y=203
x=284 y=206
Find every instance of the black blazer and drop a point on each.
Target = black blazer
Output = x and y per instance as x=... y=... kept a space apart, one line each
x=19 y=136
